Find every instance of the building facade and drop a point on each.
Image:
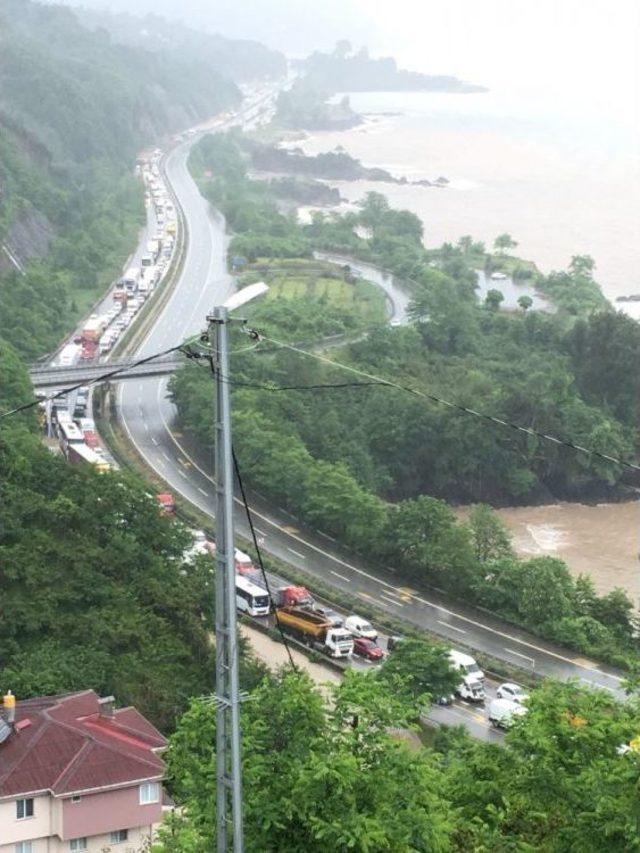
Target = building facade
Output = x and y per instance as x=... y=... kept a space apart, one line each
x=76 y=774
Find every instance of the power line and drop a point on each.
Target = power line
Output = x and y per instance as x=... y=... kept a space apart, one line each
x=378 y=380
x=262 y=569
x=102 y=378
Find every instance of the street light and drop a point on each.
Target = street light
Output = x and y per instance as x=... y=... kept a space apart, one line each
x=228 y=755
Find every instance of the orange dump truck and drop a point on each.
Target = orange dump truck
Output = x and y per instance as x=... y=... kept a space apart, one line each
x=316 y=631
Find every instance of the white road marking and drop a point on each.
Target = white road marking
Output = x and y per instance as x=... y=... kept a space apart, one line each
x=326 y=536
x=297 y=553
x=384 y=595
x=342 y=577
x=448 y=625
x=182 y=474
x=154 y=441
x=166 y=456
x=202 y=491
x=519 y=655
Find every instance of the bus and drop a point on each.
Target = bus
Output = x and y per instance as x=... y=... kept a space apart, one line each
x=69 y=434
x=250 y=598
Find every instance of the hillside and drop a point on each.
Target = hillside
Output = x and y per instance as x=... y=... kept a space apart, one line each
x=75 y=107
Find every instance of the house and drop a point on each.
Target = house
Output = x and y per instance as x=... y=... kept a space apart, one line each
x=77 y=774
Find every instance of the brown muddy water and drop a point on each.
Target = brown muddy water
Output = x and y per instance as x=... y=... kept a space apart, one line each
x=602 y=541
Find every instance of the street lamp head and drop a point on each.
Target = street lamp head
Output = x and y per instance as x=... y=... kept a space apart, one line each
x=245 y=295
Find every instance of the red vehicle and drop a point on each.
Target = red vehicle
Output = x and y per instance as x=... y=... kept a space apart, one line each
x=293 y=596
x=89 y=350
x=167 y=503
x=91 y=438
x=367 y=649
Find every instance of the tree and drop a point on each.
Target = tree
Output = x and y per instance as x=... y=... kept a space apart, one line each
x=314 y=779
x=420 y=669
x=503 y=243
x=525 y=302
x=494 y=299
x=582 y=265
x=490 y=537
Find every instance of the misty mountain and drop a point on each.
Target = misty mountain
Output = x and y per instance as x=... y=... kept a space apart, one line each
x=296 y=27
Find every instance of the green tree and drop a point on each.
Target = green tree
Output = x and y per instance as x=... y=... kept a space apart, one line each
x=420 y=669
x=503 y=243
x=490 y=536
x=525 y=302
x=494 y=299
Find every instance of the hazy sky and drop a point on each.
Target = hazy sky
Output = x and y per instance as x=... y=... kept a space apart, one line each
x=590 y=47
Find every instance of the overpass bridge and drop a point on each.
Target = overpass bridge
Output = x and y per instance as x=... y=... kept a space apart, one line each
x=48 y=376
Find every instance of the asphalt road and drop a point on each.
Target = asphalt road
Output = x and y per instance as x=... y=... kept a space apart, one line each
x=148 y=418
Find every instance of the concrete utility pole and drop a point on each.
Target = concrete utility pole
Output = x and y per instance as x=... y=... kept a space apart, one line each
x=228 y=751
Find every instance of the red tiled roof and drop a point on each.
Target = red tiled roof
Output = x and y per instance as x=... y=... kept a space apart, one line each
x=69 y=747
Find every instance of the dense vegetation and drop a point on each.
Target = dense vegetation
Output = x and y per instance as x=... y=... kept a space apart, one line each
x=94 y=589
x=370 y=466
x=318 y=778
x=75 y=107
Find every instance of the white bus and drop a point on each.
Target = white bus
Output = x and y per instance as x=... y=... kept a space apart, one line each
x=69 y=434
x=250 y=598
x=130 y=279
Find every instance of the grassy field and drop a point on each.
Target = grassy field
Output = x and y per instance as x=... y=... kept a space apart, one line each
x=303 y=279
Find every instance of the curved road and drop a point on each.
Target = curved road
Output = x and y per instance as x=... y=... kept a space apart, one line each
x=148 y=416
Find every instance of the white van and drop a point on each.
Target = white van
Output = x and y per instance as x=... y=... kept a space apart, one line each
x=502 y=712
x=359 y=627
x=472 y=677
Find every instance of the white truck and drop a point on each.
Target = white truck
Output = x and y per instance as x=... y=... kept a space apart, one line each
x=471 y=685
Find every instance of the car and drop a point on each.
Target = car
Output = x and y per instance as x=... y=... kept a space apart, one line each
x=394 y=642
x=332 y=615
x=502 y=713
x=512 y=691
x=359 y=627
x=364 y=648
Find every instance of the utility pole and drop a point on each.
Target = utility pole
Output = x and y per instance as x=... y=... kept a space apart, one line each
x=228 y=757
x=228 y=751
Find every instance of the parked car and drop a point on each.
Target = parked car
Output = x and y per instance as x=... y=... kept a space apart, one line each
x=502 y=712
x=367 y=649
x=512 y=691
x=359 y=627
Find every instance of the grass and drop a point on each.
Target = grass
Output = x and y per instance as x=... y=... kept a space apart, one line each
x=302 y=279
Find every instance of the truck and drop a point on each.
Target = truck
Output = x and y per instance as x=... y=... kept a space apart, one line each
x=80 y=454
x=471 y=685
x=315 y=631
x=292 y=596
x=166 y=503
x=129 y=280
x=153 y=248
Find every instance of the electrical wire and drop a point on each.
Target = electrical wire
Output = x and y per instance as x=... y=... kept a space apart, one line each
x=259 y=553
x=378 y=380
x=102 y=378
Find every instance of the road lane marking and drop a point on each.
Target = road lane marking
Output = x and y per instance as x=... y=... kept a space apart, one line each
x=453 y=627
x=395 y=603
x=154 y=441
x=519 y=655
x=326 y=536
x=297 y=553
x=182 y=474
x=168 y=458
x=202 y=491
x=342 y=577
x=393 y=595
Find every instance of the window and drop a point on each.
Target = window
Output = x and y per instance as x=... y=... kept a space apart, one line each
x=24 y=808
x=78 y=844
x=118 y=836
x=149 y=793
x=76 y=798
x=24 y=847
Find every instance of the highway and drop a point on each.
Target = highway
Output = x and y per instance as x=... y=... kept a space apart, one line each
x=148 y=418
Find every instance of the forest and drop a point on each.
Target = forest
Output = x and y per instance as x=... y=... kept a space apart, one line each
x=342 y=775
x=374 y=467
x=76 y=106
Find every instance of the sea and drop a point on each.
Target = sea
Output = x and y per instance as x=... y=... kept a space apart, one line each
x=562 y=182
